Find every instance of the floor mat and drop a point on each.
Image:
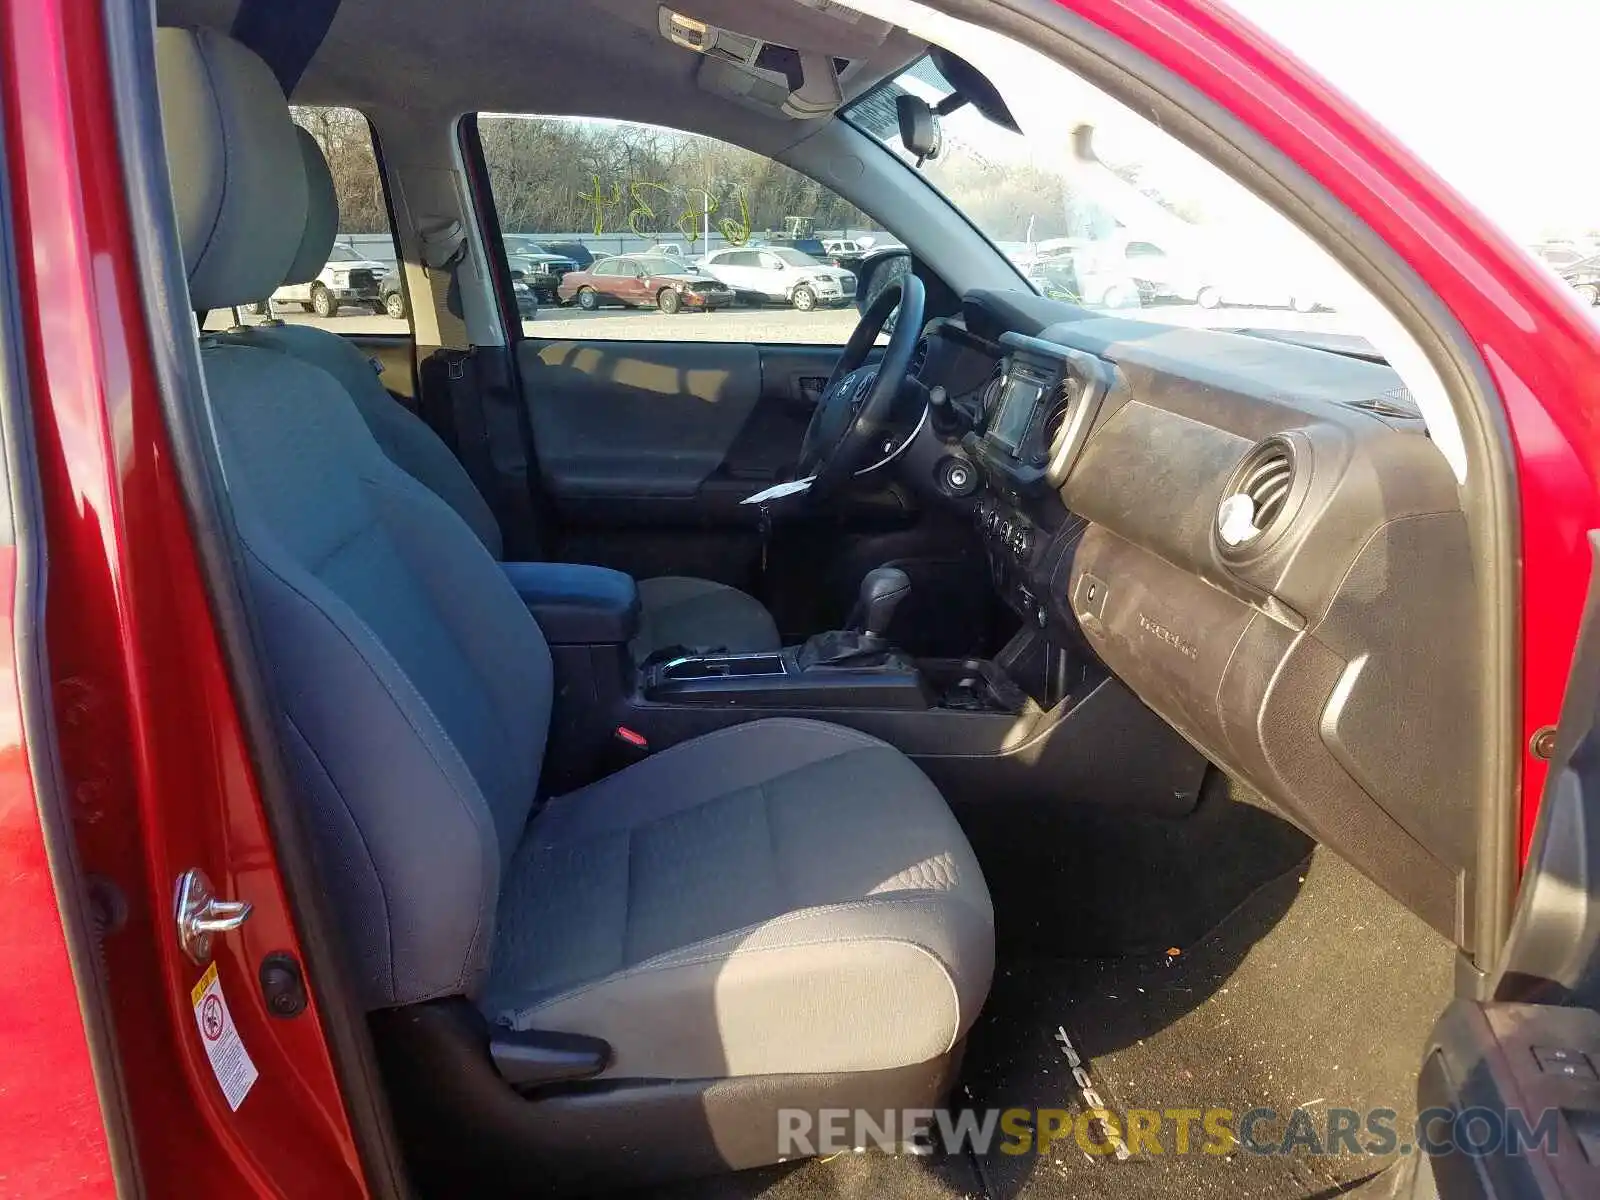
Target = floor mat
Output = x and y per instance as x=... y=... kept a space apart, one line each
x=1083 y=880
x=1318 y=990
x=870 y=1176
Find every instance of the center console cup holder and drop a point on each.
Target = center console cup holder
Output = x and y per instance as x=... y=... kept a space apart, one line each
x=728 y=666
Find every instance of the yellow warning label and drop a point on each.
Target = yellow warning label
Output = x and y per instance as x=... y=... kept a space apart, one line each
x=206 y=980
x=230 y=1062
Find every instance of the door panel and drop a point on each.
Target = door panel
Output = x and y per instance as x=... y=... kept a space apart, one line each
x=647 y=448
x=631 y=420
x=1527 y=1053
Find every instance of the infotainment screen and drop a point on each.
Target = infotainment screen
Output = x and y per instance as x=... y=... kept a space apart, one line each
x=1017 y=404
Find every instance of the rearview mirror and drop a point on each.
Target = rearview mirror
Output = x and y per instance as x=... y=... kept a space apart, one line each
x=919 y=127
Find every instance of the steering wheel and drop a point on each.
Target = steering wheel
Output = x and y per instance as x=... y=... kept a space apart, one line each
x=858 y=403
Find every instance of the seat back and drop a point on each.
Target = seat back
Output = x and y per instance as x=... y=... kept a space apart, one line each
x=405 y=437
x=415 y=688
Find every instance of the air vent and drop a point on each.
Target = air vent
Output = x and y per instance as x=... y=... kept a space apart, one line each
x=1256 y=502
x=992 y=391
x=919 y=358
x=1055 y=421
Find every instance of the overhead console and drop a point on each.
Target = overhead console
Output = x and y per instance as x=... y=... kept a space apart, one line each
x=1259 y=540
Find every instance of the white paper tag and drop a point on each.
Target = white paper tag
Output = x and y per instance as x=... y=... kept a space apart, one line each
x=779 y=490
x=230 y=1062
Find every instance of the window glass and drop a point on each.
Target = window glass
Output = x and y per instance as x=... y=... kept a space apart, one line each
x=661 y=265
x=1080 y=191
x=1142 y=221
x=682 y=204
x=359 y=290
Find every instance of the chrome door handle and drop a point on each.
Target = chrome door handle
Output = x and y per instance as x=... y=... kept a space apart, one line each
x=200 y=915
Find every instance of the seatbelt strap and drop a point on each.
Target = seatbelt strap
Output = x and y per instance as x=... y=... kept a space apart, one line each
x=444 y=249
x=484 y=410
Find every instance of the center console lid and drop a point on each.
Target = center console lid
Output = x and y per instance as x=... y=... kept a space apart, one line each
x=578 y=604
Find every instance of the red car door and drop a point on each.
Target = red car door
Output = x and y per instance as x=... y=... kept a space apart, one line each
x=630 y=286
x=151 y=744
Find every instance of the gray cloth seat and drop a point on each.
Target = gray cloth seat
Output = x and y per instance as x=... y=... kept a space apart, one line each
x=782 y=897
x=675 y=611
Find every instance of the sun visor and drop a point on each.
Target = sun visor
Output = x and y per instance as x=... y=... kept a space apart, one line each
x=807 y=26
x=772 y=76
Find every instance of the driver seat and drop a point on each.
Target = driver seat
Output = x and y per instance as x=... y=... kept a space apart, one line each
x=675 y=610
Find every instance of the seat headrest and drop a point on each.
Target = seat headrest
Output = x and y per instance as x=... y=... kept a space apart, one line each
x=238 y=179
x=322 y=214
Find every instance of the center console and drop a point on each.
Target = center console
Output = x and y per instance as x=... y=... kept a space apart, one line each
x=1036 y=724
x=1043 y=722
x=854 y=667
x=782 y=679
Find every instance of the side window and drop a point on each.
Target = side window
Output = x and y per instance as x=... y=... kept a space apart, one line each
x=358 y=290
x=584 y=188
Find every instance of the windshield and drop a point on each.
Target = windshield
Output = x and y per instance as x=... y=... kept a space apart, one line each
x=1095 y=205
x=793 y=257
x=345 y=254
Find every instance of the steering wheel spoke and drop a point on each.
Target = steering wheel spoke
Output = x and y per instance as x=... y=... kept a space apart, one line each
x=846 y=436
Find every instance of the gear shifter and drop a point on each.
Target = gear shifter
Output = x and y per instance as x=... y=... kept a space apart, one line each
x=881 y=592
x=863 y=644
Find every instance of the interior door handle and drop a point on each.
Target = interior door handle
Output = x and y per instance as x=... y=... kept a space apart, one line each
x=200 y=915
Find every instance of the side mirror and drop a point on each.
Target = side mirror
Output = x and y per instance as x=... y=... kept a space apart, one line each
x=515 y=275
x=919 y=127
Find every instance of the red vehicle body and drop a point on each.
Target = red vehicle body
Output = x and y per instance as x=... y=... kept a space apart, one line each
x=642 y=281
x=153 y=762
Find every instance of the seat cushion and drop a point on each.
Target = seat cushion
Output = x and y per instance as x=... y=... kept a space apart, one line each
x=702 y=615
x=779 y=897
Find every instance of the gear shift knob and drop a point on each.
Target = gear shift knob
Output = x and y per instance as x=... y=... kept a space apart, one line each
x=881 y=592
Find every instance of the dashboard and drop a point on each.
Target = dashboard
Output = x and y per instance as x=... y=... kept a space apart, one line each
x=1258 y=538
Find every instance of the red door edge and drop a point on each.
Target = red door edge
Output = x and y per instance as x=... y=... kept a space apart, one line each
x=151 y=741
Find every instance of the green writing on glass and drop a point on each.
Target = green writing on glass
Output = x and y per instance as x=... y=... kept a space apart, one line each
x=641 y=212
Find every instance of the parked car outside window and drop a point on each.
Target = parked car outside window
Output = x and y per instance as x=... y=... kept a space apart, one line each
x=350 y=278
x=643 y=281
x=784 y=274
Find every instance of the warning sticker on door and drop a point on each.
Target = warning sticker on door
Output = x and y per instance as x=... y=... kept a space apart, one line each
x=236 y=1074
